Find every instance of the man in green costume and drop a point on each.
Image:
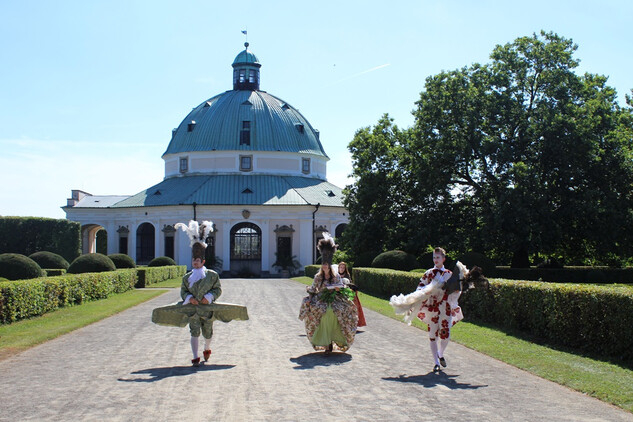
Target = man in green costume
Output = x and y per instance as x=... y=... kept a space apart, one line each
x=199 y=290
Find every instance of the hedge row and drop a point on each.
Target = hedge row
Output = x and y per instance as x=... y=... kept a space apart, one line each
x=27 y=298
x=588 y=318
x=596 y=275
x=595 y=319
x=152 y=275
x=60 y=236
x=51 y=272
x=384 y=282
x=311 y=270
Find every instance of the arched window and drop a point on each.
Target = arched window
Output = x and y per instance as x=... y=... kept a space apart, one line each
x=246 y=241
x=144 y=244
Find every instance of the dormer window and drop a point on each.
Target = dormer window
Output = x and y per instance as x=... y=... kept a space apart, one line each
x=184 y=164
x=191 y=126
x=246 y=162
x=245 y=133
x=300 y=128
x=305 y=165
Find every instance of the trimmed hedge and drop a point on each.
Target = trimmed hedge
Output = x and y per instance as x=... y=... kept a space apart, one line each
x=311 y=270
x=596 y=275
x=91 y=263
x=383 y=282
x=122 y=260
x=14 y=266
x=52 y=272
x=161 y=261
x=60 y=236
x=50 y=260
x=28 y=298
x=152 y=275
x=470 y=259
x=594 y=319
x=395 y=260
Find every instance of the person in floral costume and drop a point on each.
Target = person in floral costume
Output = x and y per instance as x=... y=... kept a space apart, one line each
x=440 y=311
x=329 y=313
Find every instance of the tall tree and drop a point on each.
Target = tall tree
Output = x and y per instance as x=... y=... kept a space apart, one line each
x=515 y=157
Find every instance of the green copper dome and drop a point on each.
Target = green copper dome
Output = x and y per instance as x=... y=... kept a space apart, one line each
x=245 y=57
x=245 y=119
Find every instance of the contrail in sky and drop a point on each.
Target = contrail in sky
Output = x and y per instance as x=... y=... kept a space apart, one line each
x=360 y=73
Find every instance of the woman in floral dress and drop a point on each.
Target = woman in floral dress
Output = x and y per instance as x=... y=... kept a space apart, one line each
x=329 y=312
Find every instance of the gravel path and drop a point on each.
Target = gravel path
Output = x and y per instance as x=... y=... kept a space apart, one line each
x=126 y=368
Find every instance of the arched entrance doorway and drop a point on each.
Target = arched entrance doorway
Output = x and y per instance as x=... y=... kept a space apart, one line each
x=246 y=250
x=145 y=241
x=89 y=238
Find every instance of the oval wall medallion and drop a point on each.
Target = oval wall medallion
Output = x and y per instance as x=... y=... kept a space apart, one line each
x=246 y=213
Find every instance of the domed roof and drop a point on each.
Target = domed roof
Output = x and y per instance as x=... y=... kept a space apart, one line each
x=245 y=57
x=274 y=125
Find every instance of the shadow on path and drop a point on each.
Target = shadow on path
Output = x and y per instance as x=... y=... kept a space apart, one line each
x=157 y=374
x=432 y=379
x=312 y=360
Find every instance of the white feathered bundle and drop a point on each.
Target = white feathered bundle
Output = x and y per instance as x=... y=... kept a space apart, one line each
x=197 y=233
x=408 y=305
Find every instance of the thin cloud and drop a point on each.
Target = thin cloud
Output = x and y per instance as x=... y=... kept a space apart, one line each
x=360 y=73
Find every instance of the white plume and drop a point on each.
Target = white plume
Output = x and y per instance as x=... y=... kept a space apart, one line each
x=197 y=232
x=408 y=305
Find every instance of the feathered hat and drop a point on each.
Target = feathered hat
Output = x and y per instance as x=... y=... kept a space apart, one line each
x=197 y=233
x=327 y=247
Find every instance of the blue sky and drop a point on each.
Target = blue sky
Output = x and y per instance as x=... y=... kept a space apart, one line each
x=90 y=90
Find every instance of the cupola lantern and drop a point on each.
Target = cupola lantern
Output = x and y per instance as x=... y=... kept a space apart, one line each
x=246 y=71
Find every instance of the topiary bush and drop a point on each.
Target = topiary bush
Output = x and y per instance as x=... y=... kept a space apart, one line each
x=395 y=260
x=470 y=259
x=14 y=266
x=50 y=260
x=91 y=263
x=122 y=260
x=161 y=261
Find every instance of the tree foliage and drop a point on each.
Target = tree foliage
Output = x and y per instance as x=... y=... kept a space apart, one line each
x=517 y=157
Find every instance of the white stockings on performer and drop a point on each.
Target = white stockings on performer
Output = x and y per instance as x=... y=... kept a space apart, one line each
x=194 y=346
x=443 y=343
x=207 y=344
x=434 y=351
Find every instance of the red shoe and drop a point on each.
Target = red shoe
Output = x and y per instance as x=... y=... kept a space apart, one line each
x=207 y=355
x=195 y=362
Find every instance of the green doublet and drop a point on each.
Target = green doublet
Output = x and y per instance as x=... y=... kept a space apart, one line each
x=199 y=317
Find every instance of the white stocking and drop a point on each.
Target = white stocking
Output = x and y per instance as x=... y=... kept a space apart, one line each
x=434 y=352
x=207 y=344
x=443 y=343
x=194 y=346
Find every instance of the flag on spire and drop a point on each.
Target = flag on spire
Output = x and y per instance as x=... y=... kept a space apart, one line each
x=244 y=32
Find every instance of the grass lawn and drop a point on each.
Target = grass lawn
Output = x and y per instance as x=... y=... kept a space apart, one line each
x=19 y=336
x=606 y=381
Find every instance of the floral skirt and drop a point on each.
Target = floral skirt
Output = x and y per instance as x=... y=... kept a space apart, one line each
x=313 y=312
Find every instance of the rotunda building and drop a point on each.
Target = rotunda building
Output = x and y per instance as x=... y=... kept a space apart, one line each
x=244 y=159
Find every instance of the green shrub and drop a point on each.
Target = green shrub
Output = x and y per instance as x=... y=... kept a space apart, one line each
x=28 y=298
x=91 y=263
x=395 y=260
x=470 y=259
x=311 y=270
x=50 y=260
x=151 y=275
x=385 y=282
x=52 y=272
x=60 y=236
x=161 y=261
x=590 y=318
x=601 y=275
x=15 y=266
x=122 y=260
x=4 y=279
